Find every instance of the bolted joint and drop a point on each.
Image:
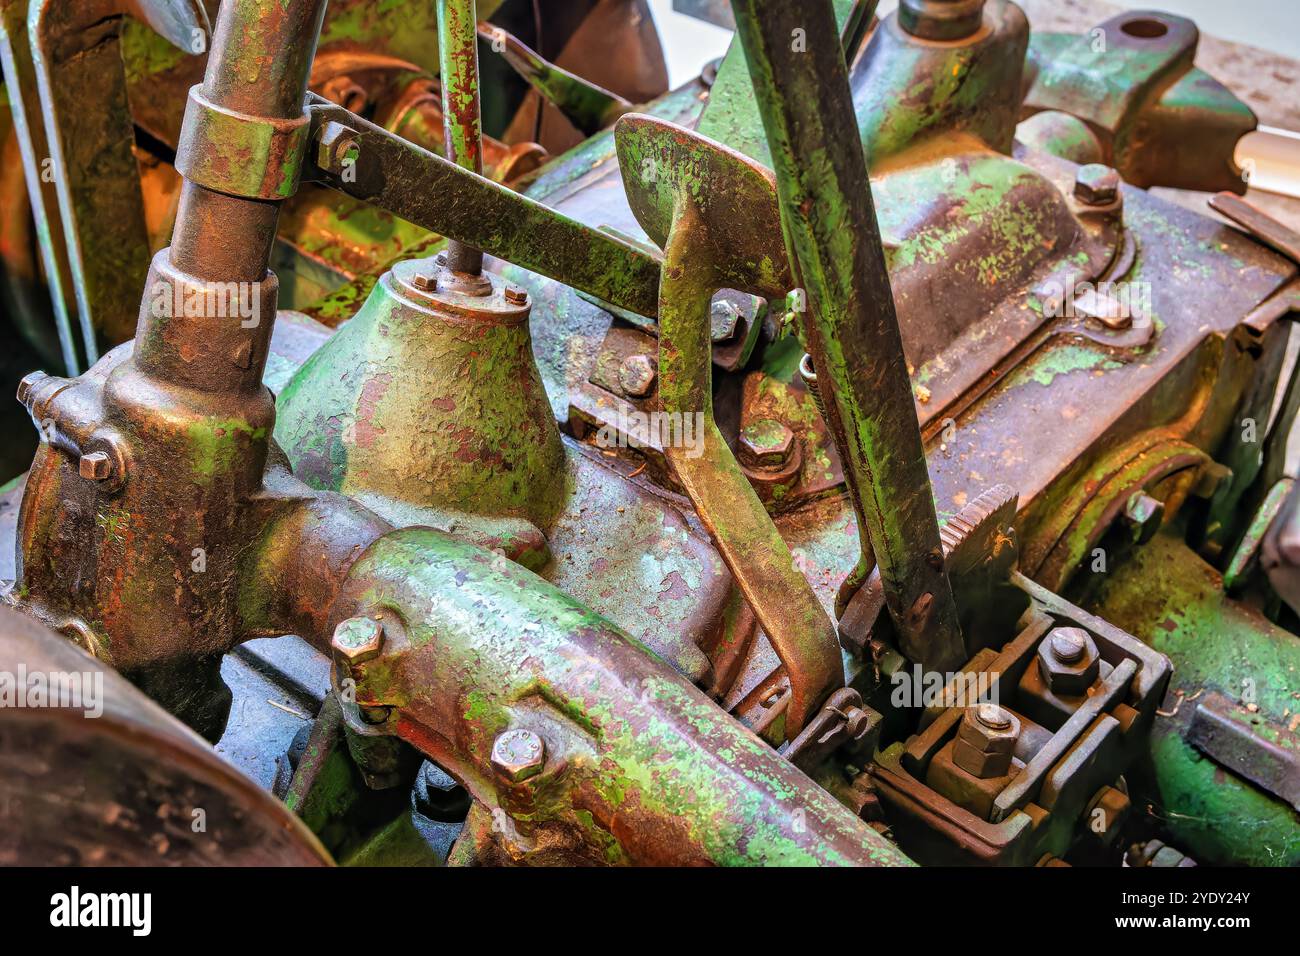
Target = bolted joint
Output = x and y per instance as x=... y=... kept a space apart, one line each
x=765 y=443
x=986 y=741
x=357 y=640
x=1068 y=661
x=1096 y=184
x=336 y=147
x=518 y=754
x=95 y=466
x=636 y=376
x=1142 y=516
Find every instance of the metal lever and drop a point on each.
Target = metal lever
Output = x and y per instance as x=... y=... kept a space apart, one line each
x=369 y=163
x=829 y=223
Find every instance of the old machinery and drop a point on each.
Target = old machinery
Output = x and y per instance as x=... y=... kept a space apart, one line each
x=847 y=458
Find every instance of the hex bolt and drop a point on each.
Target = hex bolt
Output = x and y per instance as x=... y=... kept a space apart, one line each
x=986 y=741
x=518 y=754
x=1069 y=644
x=636 y=376
x=96 y=466
x=424 y=282
x=1068 y=661
x=724 y=319
x=333 y=145
x=1142 y=516
x=515 y=295
x=358 y=639
x=1096 y=184
x=30 y=381
x=765 y=443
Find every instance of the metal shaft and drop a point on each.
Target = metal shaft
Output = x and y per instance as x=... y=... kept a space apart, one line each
x=829 y=221
x=458 y=65
x=261 y=58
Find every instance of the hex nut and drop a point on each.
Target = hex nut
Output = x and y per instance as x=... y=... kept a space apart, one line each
x=636 y=376
x=333 y=145
x=1065 y=677
x=358 y=640
x=30 y=381
x=977 y=764
x=989 y=729
x=518 y=754
x=1096 y=184
x=1142 y=516
x=765 y=443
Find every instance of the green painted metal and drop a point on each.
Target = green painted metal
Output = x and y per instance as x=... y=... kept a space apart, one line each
x=413 y=183
x=829 y=223
x=589 y=107
x=1170 y=598
x=641 y=767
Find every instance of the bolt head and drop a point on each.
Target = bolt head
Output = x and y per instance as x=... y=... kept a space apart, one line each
x=515 y=295
x=1096 y=184
x=1069 y=678
x=334 y=144
x=993 y=717
x=1143 y=516
x=29 y=382
x=636 y=376
x=96 y=466
x=724 y=319
x=765 y=443
x=358 y=639
x=518 y=754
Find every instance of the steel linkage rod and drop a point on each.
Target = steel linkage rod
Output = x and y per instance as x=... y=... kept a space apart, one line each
x=259 y=65
x=461 y=117
x=796 y=64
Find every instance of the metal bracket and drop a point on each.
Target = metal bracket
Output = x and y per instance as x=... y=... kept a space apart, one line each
x=256 y=157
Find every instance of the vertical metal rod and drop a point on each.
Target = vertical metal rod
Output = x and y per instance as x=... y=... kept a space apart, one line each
x=260 y=61
x=458 y=65
x=796 y=64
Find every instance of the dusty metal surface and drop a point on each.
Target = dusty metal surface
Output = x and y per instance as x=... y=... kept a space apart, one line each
x=831 y=462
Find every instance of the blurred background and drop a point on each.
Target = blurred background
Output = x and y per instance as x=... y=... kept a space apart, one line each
x=1270 y=24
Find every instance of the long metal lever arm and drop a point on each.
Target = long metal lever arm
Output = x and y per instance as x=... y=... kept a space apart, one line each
x=829 y=223
x=429 y=191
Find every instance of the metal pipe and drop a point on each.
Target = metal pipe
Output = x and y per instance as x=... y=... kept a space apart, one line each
x=260 y=61
x=830 y=226
x=458 y=66
x=630 y=761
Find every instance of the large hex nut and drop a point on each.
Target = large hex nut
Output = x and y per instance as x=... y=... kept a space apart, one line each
x=989 y=729
x=1068 y=661
x=986 y=740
